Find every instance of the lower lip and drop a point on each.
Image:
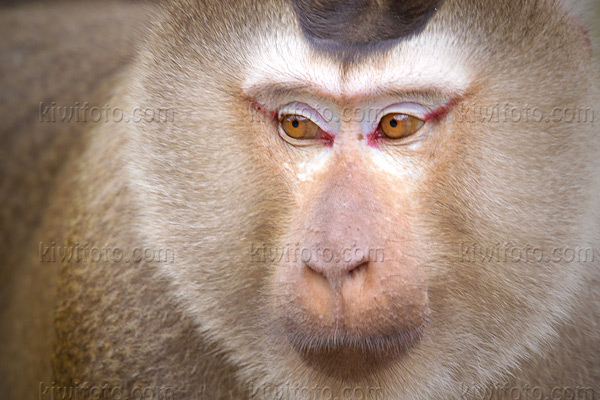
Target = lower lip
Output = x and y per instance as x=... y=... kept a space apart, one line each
x=400 y=341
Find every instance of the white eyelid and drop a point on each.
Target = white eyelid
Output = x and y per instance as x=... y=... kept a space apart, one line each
x=414 y=109
x=306 y=111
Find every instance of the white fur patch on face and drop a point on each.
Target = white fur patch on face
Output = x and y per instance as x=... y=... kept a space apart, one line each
x=390 y=165
x=422 y=63
x=385 y=163
x=287 y=60
x=307 y=169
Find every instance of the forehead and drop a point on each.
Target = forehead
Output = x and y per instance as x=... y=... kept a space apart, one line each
x=457 y=39
x=415 y=63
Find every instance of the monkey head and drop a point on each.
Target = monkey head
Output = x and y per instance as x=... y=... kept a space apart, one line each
x=326 y=186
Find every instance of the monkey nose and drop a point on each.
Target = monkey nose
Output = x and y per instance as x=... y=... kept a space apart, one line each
x=339 y=283
x=365 y=296
x=336 y=274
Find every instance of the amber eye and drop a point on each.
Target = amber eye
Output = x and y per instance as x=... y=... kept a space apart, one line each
x=396 y=126
x=299 y=127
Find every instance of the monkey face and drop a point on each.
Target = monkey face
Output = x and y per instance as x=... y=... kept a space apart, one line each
x=327 y=208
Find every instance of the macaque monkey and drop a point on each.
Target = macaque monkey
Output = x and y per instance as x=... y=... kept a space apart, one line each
x=300 y=199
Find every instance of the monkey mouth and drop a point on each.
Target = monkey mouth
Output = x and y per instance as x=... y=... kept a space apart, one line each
x=370 y=318
x=400 y=340
x=354 y=357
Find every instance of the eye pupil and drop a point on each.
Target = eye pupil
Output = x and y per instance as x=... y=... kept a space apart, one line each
x=295 y=123
x=393 y=123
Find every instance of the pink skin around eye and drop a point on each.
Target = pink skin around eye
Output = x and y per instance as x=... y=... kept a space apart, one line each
x=326 y=137
x=270 y=114
x=439 y=113
x=374 y=138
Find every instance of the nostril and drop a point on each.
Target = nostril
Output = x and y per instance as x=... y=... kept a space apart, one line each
x=335 y=276
x=317 y=277
x=357 y=269
x=314 y=268
x=316 y=271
